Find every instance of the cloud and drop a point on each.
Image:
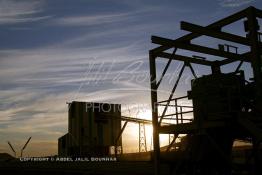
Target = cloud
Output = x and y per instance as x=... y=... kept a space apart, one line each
x=45 y=116
x=234 y=3
x=89 y=20
x=12 y=11
x=104 y=18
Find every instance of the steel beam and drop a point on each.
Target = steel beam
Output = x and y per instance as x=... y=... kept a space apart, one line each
x=164 y=101
x=171 y=144
x=187 y=128
x=121 y=132
x=172 y=93
x=245 y=57
x=174 y=114
x=214 y=33
x=152 y=62
x=135 y=120
x=239 y=66
x=166 y=67
x=192 y=70
x=216 y=25
x=195 y=48
x=131 y=119
x=183 y=106
x=118 y=138
x=186 y=59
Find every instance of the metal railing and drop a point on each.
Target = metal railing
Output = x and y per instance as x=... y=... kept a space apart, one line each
x=180 y=110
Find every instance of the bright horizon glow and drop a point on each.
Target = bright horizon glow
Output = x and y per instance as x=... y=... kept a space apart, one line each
x=164 y=138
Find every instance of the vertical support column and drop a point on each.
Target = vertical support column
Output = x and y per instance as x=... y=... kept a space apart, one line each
x=144 y=127
x=119 y=137
x=139 y=138
x=176 y=111
x=215 y=68
x=152 y=62
x=181 y=114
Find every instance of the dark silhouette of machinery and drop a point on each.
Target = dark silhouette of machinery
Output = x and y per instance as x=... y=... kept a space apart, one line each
x=226 y=106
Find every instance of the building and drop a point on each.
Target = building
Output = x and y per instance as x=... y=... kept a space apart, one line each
x=93 y=129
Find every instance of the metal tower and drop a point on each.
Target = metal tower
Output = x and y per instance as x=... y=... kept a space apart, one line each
x=142 y=138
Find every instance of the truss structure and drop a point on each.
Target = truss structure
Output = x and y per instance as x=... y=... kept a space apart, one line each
x=227 y=54
x=142 y=138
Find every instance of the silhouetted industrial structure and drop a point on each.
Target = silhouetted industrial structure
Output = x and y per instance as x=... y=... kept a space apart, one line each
x=226 y=106
x=92 y=129
x=95 y=129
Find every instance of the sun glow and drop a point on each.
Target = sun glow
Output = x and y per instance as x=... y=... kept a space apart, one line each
x=131 y=134
x=163 y=138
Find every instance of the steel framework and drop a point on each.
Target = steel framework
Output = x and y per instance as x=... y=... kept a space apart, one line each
x=142 y=132
x=226 y=55
x=142 y=138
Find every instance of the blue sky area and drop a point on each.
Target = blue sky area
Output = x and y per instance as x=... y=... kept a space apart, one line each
x=53 y=52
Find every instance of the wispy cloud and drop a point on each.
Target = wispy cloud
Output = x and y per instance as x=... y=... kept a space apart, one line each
x=89 y=20
x=104 y=18
x=31 y=101
x=234 y=3
x=12 y=11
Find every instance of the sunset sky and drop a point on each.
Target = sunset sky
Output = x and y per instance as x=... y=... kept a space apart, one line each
x=53 y=52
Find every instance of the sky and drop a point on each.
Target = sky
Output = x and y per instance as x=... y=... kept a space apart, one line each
x=54 y=52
